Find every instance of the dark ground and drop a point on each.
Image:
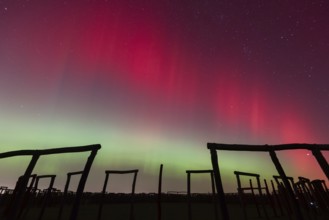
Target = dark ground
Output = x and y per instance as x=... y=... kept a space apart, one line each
x=145 y=208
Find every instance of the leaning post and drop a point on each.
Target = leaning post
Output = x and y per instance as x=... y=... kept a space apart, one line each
x=82 y=183
x=218 y=182
x=322 y=161
x=298 y=212
x=18 y=195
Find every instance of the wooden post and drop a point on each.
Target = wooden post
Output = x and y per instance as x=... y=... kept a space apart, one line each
x=240 y=193
x=277 y=199
x=14 y=208
x=219 y=185
x=107 y=173
x=189 y=209
x=66 y=188
x=64 y=196
x=81 y=186
x=100 y=208
x=270 y=198
x=48 y=193
x=189 y=198
x=214 y=194
x=160 y=192
x=29 y=190
x=254 y=197
x=322 y=161
x=261 y=196
x=298 y=212
x=132 y=196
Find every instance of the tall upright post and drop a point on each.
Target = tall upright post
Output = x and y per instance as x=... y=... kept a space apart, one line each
x=48 y=193
x=322 y=161
x=81 y=186
x=100 y=208
x=14 y=208
x=133 y=196
x=298 y=212
x=66 y=188
x=214 y=194
x=107 y=173
x=189 y=211
x=160 y=192
x=219 y=184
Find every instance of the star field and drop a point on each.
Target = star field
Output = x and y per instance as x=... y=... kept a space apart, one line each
x=153 y=82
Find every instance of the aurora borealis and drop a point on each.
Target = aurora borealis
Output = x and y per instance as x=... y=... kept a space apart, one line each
x=154 y=81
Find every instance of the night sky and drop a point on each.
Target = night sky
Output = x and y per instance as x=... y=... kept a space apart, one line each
x=154 y=81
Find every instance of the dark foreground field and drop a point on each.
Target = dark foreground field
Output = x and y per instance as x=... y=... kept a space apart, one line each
x=170 y=211
x=147 y=211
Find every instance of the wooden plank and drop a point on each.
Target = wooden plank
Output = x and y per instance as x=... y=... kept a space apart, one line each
x=219 y=185
x=266 y=148
x=50 y=151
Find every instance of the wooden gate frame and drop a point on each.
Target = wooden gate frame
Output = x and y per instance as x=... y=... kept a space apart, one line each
x=66 y=188
x=133 y=187
x=189 y=199
x=271 y=149
x=12 y=212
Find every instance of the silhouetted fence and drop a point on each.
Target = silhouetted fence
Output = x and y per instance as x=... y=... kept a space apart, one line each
x=271 y=149
x=15 y=204
x=211 y=173
x=107 y=173
x=66 y=188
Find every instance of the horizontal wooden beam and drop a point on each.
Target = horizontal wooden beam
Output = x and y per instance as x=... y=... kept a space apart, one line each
x=50 y=151
x=266 y=148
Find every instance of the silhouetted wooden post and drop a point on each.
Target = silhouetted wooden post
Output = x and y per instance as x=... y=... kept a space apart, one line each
x=219 y=184
x=277 y=199
x=271 y=149
x=298 y=212
x=14 y=208
x=309 y=195
x=100 y=208
x=160 y=192
x=214 y=194
x=189 y=210
x=66 y=188
x=26 y=197
x=107 y=173
x=240 y=192
x=284 y=196
x=270 y=198
x=82 y=183
x=132 y=196
x=48 y=193
x=321 y=193
x=322 y=161
x=253 y=193
x=189 y=199
x=251 y=188
x=261 y=196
